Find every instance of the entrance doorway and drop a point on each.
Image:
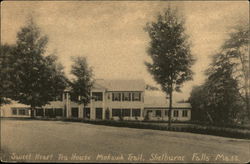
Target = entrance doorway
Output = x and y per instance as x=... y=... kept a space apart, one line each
x=74 y=112
x=98 y=113
x=86 y=113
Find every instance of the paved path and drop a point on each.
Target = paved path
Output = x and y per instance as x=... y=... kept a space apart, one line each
x=27 y=140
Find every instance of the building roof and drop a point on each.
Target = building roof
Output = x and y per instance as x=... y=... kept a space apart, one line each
x=162 y=102
x=120 y=84
x=15 y=104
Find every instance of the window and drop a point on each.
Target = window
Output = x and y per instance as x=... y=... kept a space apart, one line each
x=98 y=113
x=125 y=112
x=176 y=113
x=74 y=112
x=116 y=96
x=158 y=113
x=136 y=112
x=39 y=112
x=136 y=96
x=86 y=113
x=184 y=113
x=58 y=112
x=126 y=96
x=98 y=96
x=21 y=112
x=167 y=112
x=116 y=112
x=49 y=112
x=14 y=111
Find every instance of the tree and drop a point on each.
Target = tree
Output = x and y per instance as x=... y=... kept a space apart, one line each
x=82 y=82
x=199 y=103
x=236 y=48
x=7 y=73
x=38 y=76
x=170 y=52
x=223 y=95
x=58 y=81
x=217 y=100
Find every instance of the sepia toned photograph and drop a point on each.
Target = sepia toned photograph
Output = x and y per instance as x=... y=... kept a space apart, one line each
x=125 y=81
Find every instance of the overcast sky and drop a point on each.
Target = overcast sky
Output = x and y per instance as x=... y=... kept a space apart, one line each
x=110 y=34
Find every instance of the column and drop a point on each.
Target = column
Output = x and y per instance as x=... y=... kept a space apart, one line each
x=103 y=105
x=130 y=114
x=162 y=114
x=80 y=111
x=141 y=113
x=68 y=107
x=91 y=108
x=189 y=114
x=43 y=112
x=54 y=113
x=63 y=97
x=110 y=113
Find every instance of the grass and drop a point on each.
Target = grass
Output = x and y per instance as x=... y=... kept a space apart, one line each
x=177 y=127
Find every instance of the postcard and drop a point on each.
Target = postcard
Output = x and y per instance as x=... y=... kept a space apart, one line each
x=125 y=81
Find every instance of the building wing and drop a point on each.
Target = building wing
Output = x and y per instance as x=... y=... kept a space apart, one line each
x=162 y=102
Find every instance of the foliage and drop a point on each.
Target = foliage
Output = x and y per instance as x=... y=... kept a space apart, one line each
x=236 y=48
x=224 y=97
x=58 y=81
x=7 y=85
x=82 y=83
x=38 y=78
x=217 y=100
x=170 y=52
x=199 y=104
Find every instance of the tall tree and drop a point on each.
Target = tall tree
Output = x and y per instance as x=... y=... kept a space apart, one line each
x=38 y=77
x=7 y=85
x=223 y=95
x=170 y=52
x=82 y=82
x=198 y=101
x=236 y=48
x=58 y=80
x=217 y=100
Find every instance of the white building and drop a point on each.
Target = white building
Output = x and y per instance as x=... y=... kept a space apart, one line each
x=15 y=109
x=157 y=108
x=111 y=100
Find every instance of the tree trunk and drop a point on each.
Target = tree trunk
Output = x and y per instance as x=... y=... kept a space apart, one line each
x=32 y=112
x=170 y=106
x=248 y=106
x=209 y=117
x=83 y=112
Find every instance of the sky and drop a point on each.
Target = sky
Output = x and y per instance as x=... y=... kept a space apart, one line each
x=111 y=33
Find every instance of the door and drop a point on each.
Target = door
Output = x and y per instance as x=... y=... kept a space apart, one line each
x=74 y=112
x=86 y=113
x=107 y=113
x=98 y=113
